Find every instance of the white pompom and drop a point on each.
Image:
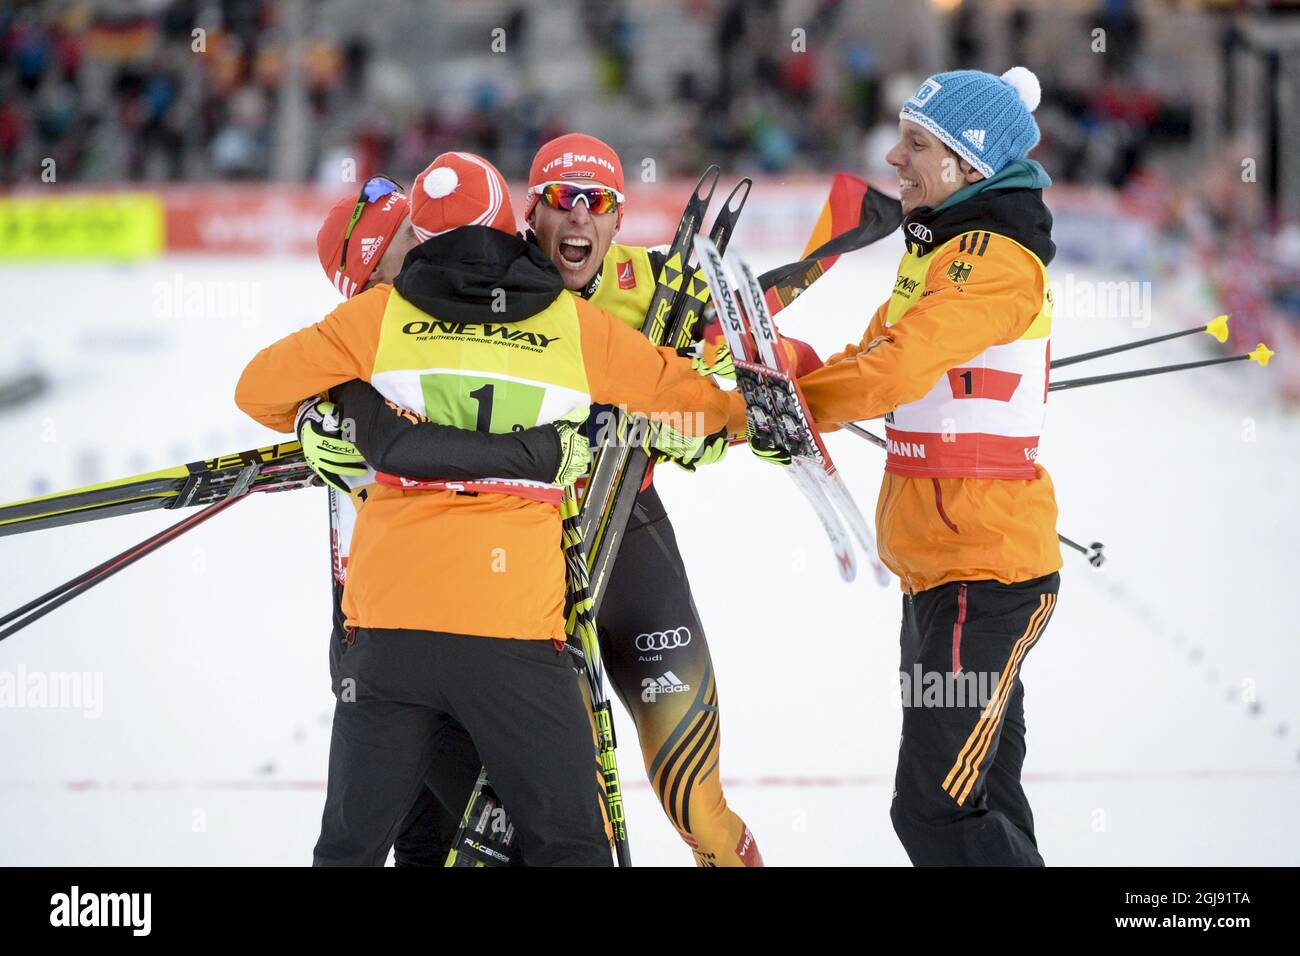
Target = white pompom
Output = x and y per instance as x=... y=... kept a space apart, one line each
x=1026 y=86
x=440 y=182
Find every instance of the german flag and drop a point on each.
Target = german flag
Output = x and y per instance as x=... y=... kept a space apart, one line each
x=856 y=214
x=122 y=39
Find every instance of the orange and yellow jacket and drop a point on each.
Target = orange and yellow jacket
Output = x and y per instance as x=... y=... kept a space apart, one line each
x=487 y=564
x=957 y=362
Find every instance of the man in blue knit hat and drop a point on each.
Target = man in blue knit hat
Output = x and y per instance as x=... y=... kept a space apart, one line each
x=957 y=361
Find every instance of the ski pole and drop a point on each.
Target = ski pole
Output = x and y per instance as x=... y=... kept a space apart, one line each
x=65 y=592
x=1260 y=355
x=1093 y=554
x=79 y=579
x=1217 y=327
x=863 y=433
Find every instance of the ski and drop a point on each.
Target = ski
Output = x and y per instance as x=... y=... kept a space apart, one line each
x=583 y=640
x=611 y=458
x=776 y=408
x=680 y=298
x=804 y=475
x=687 y=317
x=828 y=477
x=486 y=836
x=279 y=467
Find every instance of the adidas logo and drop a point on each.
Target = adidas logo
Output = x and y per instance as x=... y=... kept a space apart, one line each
x=975 y=137
x=369 y=247
x=669 y=683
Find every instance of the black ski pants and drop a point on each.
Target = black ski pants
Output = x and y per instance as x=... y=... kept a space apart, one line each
x=402 y=693
x=958 y=800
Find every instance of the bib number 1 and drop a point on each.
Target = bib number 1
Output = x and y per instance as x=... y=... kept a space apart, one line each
x=480 y=403
x=483 y=395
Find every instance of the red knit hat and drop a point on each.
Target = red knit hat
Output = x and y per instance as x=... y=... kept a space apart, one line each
x=371 y=235
x=460 y=189
x=576 y=158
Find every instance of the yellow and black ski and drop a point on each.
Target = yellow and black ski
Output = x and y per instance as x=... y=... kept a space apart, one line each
x=279 y=467
x=674 y=316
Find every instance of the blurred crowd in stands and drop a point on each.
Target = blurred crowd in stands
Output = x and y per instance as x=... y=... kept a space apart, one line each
x=113 y=95
x=190 y=93
x=122 y=97
x=191 y=90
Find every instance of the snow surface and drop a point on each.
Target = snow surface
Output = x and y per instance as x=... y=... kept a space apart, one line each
x=1162 y=729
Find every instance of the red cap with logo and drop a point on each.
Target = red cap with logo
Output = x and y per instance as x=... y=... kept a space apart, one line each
x=460 y=189
x=575 y=158
x=370 y=236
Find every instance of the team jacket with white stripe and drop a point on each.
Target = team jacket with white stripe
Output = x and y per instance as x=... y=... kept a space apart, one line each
x=957 y=362
x=435 y=342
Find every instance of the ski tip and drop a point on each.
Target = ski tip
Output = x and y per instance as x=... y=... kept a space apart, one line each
x=708 y=182
x=1260 y=354
x=1218 y=328
x=739 y=194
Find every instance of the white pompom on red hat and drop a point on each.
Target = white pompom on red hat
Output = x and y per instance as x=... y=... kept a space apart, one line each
x=460 y=189
x=440 y=183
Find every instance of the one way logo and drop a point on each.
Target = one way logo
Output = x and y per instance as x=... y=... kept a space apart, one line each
x=486 y=330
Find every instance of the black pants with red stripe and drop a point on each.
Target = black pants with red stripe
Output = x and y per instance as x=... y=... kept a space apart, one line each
x=958 y=800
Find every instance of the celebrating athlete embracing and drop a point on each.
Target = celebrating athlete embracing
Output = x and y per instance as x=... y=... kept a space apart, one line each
x=456 y=600
x=957 y=362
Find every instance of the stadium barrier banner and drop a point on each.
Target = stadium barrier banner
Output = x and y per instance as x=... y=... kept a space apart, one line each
x=81 y=225
x=277 y=219
x=281 y=220
x=254 y=220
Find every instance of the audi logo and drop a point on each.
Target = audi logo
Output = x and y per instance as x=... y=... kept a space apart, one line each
x=664 y=640
x=920 y=232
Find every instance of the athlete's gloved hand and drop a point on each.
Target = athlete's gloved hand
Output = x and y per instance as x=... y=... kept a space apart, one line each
x=712 y=449
x=575 y=450
x=765 y=448
x=714 y=358
x=329 y=455
x=664 y=443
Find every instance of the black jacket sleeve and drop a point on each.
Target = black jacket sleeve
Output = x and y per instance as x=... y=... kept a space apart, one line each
x=395 y=441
